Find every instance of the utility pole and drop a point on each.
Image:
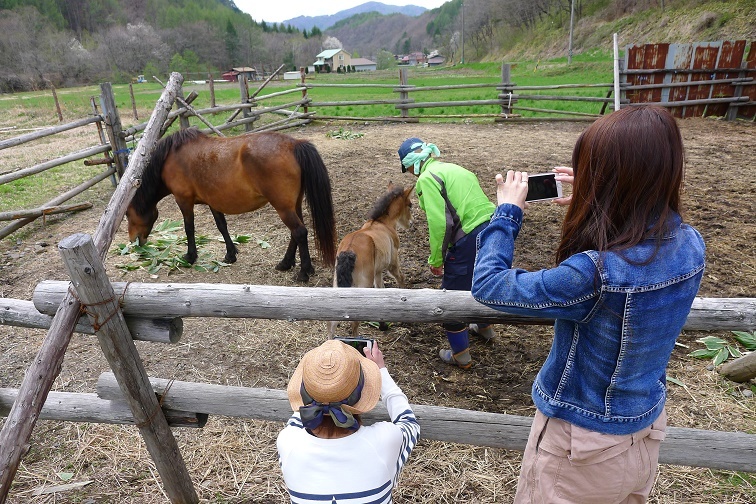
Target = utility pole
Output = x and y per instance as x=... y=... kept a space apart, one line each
x=572 y=15
x=463 y=32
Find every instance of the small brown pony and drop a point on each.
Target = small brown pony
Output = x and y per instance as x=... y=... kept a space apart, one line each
x=365 y=254
x=235 y=175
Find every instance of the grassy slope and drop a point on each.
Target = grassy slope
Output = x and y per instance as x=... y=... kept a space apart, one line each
x=681 y=21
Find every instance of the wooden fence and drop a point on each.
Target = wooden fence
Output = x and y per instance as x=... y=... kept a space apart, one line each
x=108 y=313
x=710 y=78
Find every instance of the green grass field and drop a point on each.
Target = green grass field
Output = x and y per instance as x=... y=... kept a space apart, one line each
x=35 y=108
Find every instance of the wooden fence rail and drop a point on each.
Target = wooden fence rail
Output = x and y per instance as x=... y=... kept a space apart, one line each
x=158 y=300
x=735 y=451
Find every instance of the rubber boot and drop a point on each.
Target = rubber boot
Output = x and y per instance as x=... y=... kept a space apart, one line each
x=485 y=331
x=459 y=355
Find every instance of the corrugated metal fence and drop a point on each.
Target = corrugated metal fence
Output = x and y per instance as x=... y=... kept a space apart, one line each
x=669 y=74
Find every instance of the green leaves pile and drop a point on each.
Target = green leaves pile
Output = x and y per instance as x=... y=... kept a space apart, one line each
x=166 y=251
x=344 y=134
x=719 y=350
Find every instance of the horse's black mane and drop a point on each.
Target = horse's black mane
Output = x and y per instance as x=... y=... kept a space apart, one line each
x=147 y=193
x=382 y=205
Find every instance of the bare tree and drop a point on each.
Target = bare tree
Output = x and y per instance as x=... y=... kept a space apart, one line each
x=128 y=49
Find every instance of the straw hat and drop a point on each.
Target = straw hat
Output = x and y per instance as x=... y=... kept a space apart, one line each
x=331 y=372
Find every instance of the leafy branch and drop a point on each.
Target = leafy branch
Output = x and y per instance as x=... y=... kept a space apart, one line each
x=719 y=350
x=165 y=251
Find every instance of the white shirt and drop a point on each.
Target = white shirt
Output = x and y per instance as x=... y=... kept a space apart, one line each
x=357 y=469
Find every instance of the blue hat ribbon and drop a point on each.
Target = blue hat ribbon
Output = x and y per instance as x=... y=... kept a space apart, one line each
x=313 y=412
x=416 y=159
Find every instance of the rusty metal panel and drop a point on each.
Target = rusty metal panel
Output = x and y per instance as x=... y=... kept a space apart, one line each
x=730 y=56
x=681 y=62
x=750 y=91
x=705 y=55
x=679 y=59
x=646 y=57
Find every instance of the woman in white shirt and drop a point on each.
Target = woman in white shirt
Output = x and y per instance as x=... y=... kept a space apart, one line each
x=325 y=452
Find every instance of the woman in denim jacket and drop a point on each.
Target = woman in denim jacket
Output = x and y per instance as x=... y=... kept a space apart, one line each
x=627 y=271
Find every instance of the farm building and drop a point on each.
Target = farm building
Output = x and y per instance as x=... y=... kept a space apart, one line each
x=334 y=58
x=233 y=75
x=413 y=59
x=364 y=65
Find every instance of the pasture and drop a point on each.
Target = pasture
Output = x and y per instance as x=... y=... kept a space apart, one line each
x=233 y=461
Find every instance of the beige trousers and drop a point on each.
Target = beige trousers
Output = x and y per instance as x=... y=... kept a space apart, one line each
x=565 y=464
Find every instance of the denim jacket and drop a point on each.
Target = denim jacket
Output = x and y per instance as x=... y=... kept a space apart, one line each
x=616 y=320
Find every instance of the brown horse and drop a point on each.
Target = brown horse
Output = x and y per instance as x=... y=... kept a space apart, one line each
x=365 y=254
x=235 y=175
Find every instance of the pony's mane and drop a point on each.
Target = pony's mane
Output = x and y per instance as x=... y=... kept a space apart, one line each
x=382 y=205
x=147 y=193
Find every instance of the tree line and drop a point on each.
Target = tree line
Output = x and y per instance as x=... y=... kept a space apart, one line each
x=75 y=42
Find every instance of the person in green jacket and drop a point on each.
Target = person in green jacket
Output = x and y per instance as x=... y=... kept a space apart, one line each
x=457 y=210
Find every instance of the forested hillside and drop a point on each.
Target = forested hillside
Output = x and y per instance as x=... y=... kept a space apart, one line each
x=72 y=42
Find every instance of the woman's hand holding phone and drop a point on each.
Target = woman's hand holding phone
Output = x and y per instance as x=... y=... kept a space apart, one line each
x=565 y=175
x=513 y=189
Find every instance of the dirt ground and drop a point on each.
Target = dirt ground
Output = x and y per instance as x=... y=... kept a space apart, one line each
x=234 y=461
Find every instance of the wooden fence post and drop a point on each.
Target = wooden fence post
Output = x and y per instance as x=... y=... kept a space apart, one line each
x=120 y=150
x=96 y=294
x=57 y=103
x=212 y=89
x=304 y=86
x=244 y=92
x=403 y=95
x=133 y=102
x=732 y=109
x=39 y=377
x=183 y=118
x=103 y=140
x=507 y=89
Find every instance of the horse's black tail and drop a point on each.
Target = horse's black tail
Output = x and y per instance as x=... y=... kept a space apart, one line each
x=344 y=268
x=317 y=188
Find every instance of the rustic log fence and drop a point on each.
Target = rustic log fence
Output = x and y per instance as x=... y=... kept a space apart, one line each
x=690 y=79
x=115 y=312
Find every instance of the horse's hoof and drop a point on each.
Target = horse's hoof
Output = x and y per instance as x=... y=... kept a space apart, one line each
x=190 y=258
x=229 y=259
x=303 y=277
x=383 y=326
x=311 y=270
x=282 y=266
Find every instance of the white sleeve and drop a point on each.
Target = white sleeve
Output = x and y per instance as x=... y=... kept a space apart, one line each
x=401 y=415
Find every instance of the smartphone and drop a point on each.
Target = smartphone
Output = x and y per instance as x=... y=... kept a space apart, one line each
x=358 y=343
x=543 y=187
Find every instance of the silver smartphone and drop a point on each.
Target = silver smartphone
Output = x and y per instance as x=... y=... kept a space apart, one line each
x=358 y=343
x=543 y=187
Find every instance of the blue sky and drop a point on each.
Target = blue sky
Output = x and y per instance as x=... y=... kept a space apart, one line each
x=280 y=10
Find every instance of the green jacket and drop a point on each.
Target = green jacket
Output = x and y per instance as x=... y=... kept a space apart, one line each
x=453 y=202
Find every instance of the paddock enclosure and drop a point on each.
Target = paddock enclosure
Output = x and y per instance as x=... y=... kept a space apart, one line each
x=233 y=460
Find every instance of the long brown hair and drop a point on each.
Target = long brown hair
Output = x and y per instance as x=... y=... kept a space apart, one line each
x=628 y=169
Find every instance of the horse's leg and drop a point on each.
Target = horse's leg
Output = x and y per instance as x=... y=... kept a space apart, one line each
x=304 y=250
x=187 y=210
x=298 y=239
x=396 y=271
x=231 y=250
x=289 y=257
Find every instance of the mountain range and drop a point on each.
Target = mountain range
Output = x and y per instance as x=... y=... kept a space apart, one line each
x=323 y=22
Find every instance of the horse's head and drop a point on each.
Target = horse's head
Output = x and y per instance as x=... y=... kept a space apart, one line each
x=140 y=226
x=402 y=205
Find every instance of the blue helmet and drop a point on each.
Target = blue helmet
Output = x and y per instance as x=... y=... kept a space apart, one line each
x=408 y=146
